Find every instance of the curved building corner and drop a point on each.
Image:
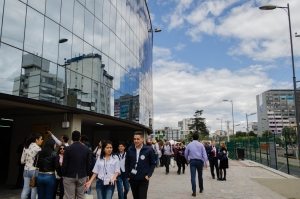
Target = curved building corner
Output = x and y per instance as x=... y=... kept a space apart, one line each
x=73 y=65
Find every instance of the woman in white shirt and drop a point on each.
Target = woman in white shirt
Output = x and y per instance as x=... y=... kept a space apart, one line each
x=28 y=157
x=106 y=169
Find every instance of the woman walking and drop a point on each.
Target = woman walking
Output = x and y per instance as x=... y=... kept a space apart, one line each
x=28 y=157
x=46 y=180
x=223 y=157
x=106 y=169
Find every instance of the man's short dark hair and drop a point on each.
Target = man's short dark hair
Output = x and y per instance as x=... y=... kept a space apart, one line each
x=140 y=133
x=196 y=136
x=76 y=136
x=122 y=143
x=65 y=138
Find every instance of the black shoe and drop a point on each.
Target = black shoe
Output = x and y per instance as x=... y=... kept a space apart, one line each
x=201 y=190
x=219 y=179
x=224 y=179
x=213 y=177
x=194 y=194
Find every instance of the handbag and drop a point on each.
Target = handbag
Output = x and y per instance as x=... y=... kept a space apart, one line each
x=32 y=182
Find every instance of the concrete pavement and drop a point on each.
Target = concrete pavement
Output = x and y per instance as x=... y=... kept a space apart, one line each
x=245 y=180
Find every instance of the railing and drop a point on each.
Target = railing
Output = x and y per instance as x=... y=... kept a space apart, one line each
x=267 y=150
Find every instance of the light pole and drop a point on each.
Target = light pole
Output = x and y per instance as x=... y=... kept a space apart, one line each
x=231 y=101
x=272 y=7
x=226 y=100
x=221 y=123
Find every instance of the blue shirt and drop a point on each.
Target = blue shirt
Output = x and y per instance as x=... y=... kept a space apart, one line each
x=195 y=150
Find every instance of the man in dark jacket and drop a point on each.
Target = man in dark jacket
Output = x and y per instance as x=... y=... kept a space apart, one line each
x=75 y=168
x=139 y=166
x=212 y=152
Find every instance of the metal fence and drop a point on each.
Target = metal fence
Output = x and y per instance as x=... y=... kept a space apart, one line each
x=266 y=150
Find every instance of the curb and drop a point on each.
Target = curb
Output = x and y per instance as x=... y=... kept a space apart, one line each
x=251 y=163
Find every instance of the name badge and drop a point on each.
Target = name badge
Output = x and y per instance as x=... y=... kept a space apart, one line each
x=133 y=171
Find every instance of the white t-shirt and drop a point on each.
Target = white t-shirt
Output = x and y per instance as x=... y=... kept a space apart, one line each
x=107 y=168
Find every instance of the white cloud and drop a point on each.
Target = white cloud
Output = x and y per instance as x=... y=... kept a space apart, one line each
x=180 y=89
x=259 y=34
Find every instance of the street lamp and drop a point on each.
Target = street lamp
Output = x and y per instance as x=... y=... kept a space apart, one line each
x=272 y=7
x=226 y=100
x=221 y=123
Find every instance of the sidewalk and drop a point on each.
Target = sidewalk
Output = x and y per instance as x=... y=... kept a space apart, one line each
x=245 y=180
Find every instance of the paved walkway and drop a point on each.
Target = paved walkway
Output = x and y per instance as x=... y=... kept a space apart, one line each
x=245 y=180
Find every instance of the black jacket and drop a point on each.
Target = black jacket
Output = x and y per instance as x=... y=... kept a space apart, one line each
x=77 y=161
x=145 y=165
x=46 y=162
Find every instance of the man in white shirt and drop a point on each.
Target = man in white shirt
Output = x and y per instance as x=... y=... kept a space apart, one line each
x=122 y=180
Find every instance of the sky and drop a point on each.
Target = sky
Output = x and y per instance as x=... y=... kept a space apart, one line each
x=211 y=50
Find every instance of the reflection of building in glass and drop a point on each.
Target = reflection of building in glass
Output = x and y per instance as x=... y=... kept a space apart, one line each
x=86 y=93
x=127 y=107
x=275 y=110
x=36 y=81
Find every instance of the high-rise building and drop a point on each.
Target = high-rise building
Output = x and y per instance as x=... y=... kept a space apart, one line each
x=74 y=65
x=275 y=110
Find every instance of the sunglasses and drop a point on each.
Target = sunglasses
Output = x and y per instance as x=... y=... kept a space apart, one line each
x=61 y=148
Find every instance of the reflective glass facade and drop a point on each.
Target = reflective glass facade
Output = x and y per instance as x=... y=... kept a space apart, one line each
x=94 y=55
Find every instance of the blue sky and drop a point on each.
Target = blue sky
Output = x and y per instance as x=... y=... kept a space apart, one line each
x=210 y=50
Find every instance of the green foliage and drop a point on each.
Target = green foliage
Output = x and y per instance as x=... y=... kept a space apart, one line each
x=289 y=135
x=199 y=125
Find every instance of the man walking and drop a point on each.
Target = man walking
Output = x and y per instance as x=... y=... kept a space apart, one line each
x=196 y=156
x=75 y=168
x=122 y=180
x=213 y=159
x=139 y=166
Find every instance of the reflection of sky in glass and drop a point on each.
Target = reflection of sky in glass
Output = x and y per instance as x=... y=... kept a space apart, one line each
x=116 y=30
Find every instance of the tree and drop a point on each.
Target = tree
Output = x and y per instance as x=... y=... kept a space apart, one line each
x=199 y=124
x=289 y=134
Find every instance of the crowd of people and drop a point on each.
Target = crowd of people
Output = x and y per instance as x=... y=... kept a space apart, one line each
x=69 y=170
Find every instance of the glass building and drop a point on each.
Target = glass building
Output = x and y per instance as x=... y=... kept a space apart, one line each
x=83 y=61
x=87 y=54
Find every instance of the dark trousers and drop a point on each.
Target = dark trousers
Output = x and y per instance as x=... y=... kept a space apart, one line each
x=139 y=188
x=196 y=165
x=224 y=172
x=59 y=188
x=213 y=163
x=167 y=159
x=180 y=165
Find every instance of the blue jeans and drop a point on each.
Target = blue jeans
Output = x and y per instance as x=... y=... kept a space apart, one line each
x=26 y=188
x=196 y=165
x=46 y=184
x=104 y=191
x=122 y=181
